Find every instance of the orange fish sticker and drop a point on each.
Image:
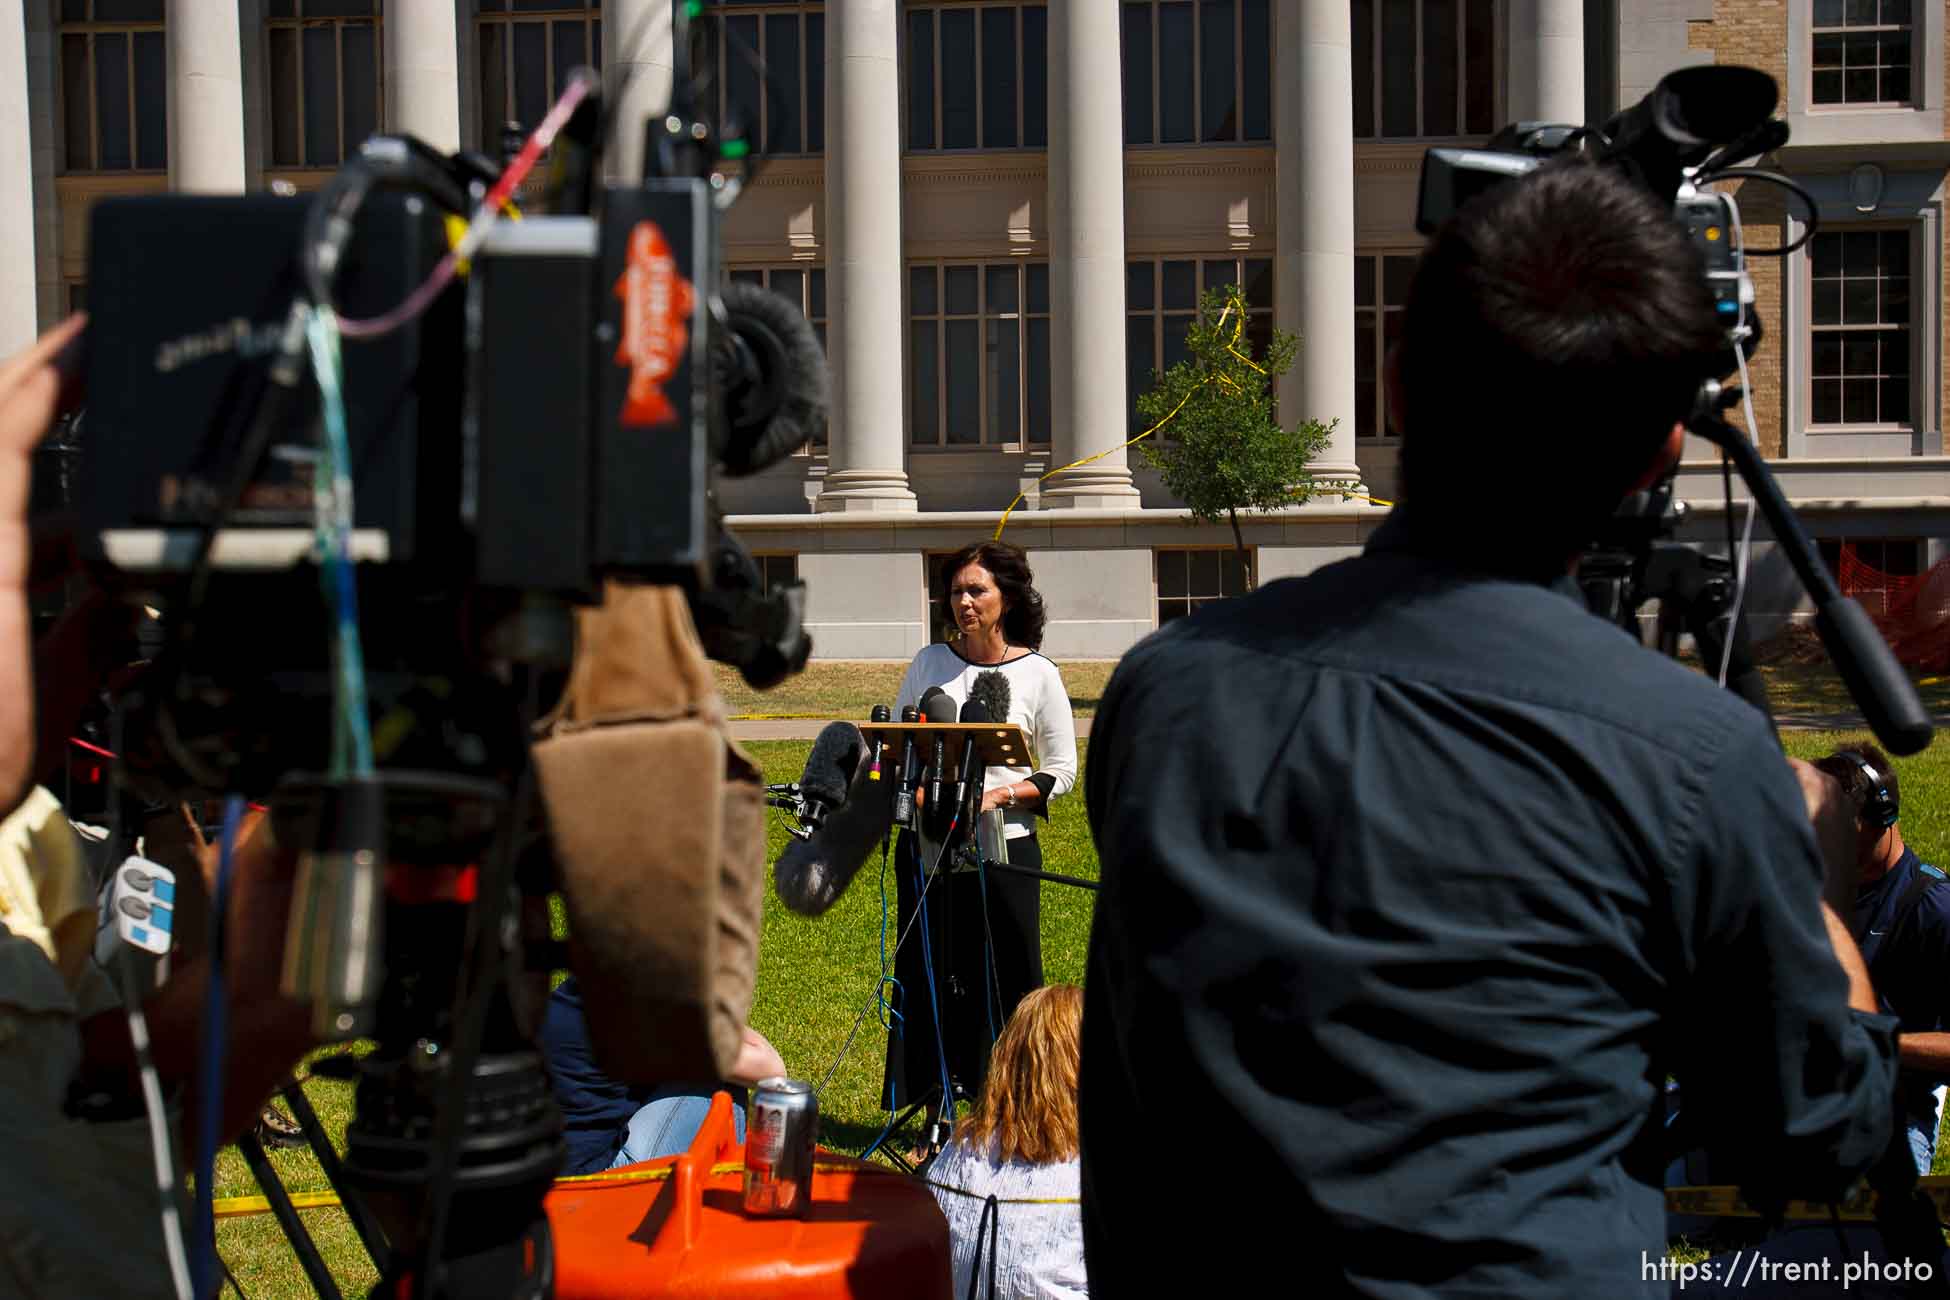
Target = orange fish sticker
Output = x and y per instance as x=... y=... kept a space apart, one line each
x=657 y=305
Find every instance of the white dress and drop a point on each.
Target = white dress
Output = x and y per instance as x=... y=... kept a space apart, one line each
x=1037 y=703
x=1039 y=1248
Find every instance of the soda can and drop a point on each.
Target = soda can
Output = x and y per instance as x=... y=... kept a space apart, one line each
x=779 y=1134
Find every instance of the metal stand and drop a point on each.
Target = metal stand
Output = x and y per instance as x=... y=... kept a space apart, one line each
x=286 y=1214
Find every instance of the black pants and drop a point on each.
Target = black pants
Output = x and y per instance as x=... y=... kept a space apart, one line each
x=974 y=990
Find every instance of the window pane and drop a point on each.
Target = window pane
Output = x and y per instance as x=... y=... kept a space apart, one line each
x=571 y=52
x=1363 y=55
x=1259 y=283
x=1859 y=354
x=128 y=11
x=1859 y=401
x=1398 y=68
x=1175 y=73
x=1137 y=74
x=1175 y=350
x=999 y=79
x=76 y=11
x=1218 y=102
x=494 y=84
x=1257 y=70
x=1895 y=253
x=1035 y=77
x=1005 y=372
x=151 y=102
x=1138 y=288
x=361 y=55
x=1364 y=271
x=1826 y=359
x=1001 y=290
x=958 y=79
x=1895 y=400
x=76 y=99
x=748 y=275
x=783 y=133
x=816 y=295
x=815 y=83
x=339 y=8
x=112 y=100
x=1365 y=371
x=1479 y=84
x=743 y=91
x=921 y=300
x=1172 y=580
x=1140 y=347
x=531 y=74
x=791 y=286
x=321 y=96
x=1038 y=276
x=920 y=79
x=1039 y=386
x=1181 y=285
x=964 y=380
x=1828 y=13
x=1396 y=274
x=1828 y=401
x=923 y=382
x=1439 y=67
x=960 y=290
x=1828 y=302
x=1858 y=302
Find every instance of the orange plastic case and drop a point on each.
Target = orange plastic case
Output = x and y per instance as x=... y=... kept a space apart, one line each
x=868 y=1231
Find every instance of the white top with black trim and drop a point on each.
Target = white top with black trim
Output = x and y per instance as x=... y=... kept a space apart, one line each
x=1037 y=703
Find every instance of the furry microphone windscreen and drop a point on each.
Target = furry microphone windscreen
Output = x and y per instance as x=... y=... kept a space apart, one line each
x=835 y=757
x=991 y=690
x=812 y=874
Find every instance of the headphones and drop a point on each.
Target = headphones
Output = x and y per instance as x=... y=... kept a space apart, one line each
x=1879 y=806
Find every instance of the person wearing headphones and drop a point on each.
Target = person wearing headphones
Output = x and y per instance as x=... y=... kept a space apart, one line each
x=1901 y=921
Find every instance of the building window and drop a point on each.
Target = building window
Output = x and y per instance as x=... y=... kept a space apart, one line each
x=1861 y=52
x=114 y=86
x=940 y=625
x=978 y=354
x=1859 y=349
x=527 y=52
x=1160 y=303
x=1189 y=580
x=77 y=291
x=1878 y=572
x=978 y=77
x=802 y=286
x=1380 y=290
x=1424 y=68
x=776 y=571
x=325 y=79
x=1197 y=71
x=771 y=65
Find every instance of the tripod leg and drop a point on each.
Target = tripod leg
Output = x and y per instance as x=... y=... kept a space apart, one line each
x=287 y=1216
x=328 y=1160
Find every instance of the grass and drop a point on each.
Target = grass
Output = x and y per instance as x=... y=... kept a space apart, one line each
x=815 y=976
x=849 y=688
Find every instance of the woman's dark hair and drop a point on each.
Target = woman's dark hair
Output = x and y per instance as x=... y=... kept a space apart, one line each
x=1022 y=604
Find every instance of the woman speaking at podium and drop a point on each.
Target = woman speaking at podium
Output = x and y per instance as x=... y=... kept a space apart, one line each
x=985 y=947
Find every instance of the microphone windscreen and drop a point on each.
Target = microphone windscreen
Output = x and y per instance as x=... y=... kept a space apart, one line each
x=992 y=689
x=835 y=756
x=881 y=713
x=939 y=706
x=975 y=711
x=812 y=874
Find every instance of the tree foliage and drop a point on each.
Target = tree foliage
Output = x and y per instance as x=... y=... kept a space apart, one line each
x=1221 y=448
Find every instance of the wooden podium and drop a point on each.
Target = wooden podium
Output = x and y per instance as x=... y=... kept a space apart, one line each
x=997 y=744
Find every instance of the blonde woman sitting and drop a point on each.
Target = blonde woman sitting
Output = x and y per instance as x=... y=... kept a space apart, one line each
x=1018 y=1148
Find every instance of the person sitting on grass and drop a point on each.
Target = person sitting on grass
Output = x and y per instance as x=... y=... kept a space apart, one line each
x=1008 y=1179
x=608 y=1123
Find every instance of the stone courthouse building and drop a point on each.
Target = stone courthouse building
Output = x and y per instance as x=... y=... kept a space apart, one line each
x=999 y=214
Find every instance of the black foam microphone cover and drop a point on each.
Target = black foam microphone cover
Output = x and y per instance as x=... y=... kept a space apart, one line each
x=992 y=689
x=773 y=376
x=975 y=710
x=812 y=874
x=835 y=757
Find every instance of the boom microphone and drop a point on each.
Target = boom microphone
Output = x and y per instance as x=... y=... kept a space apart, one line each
x=774 y=376
x=830 y=768
x=812 y=873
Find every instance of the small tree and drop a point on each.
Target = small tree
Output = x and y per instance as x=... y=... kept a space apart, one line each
x=1221 y=448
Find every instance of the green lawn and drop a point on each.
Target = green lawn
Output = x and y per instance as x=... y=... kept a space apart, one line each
x=815 y=975
x=849 y=688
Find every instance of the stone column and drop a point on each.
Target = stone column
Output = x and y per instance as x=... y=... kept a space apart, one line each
x=1547 y=61
x=865 y=329
x=422 y=75
x=1086 y=259
x=636 y=57
x=19 y=314
x=206 y=97
x=1313 y=295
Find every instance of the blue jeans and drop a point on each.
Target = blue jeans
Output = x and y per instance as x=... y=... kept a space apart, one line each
x=667 y=1124
x=1922 y=1137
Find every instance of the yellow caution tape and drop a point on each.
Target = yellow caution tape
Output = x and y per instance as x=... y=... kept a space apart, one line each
x=1859 y=1204
x=773 y=717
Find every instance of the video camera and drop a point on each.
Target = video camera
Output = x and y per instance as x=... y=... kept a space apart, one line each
x=368 y=451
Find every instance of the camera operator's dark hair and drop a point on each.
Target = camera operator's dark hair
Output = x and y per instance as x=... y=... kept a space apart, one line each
x=1022 y=613
x=1845 y=765
x=1555 y=330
